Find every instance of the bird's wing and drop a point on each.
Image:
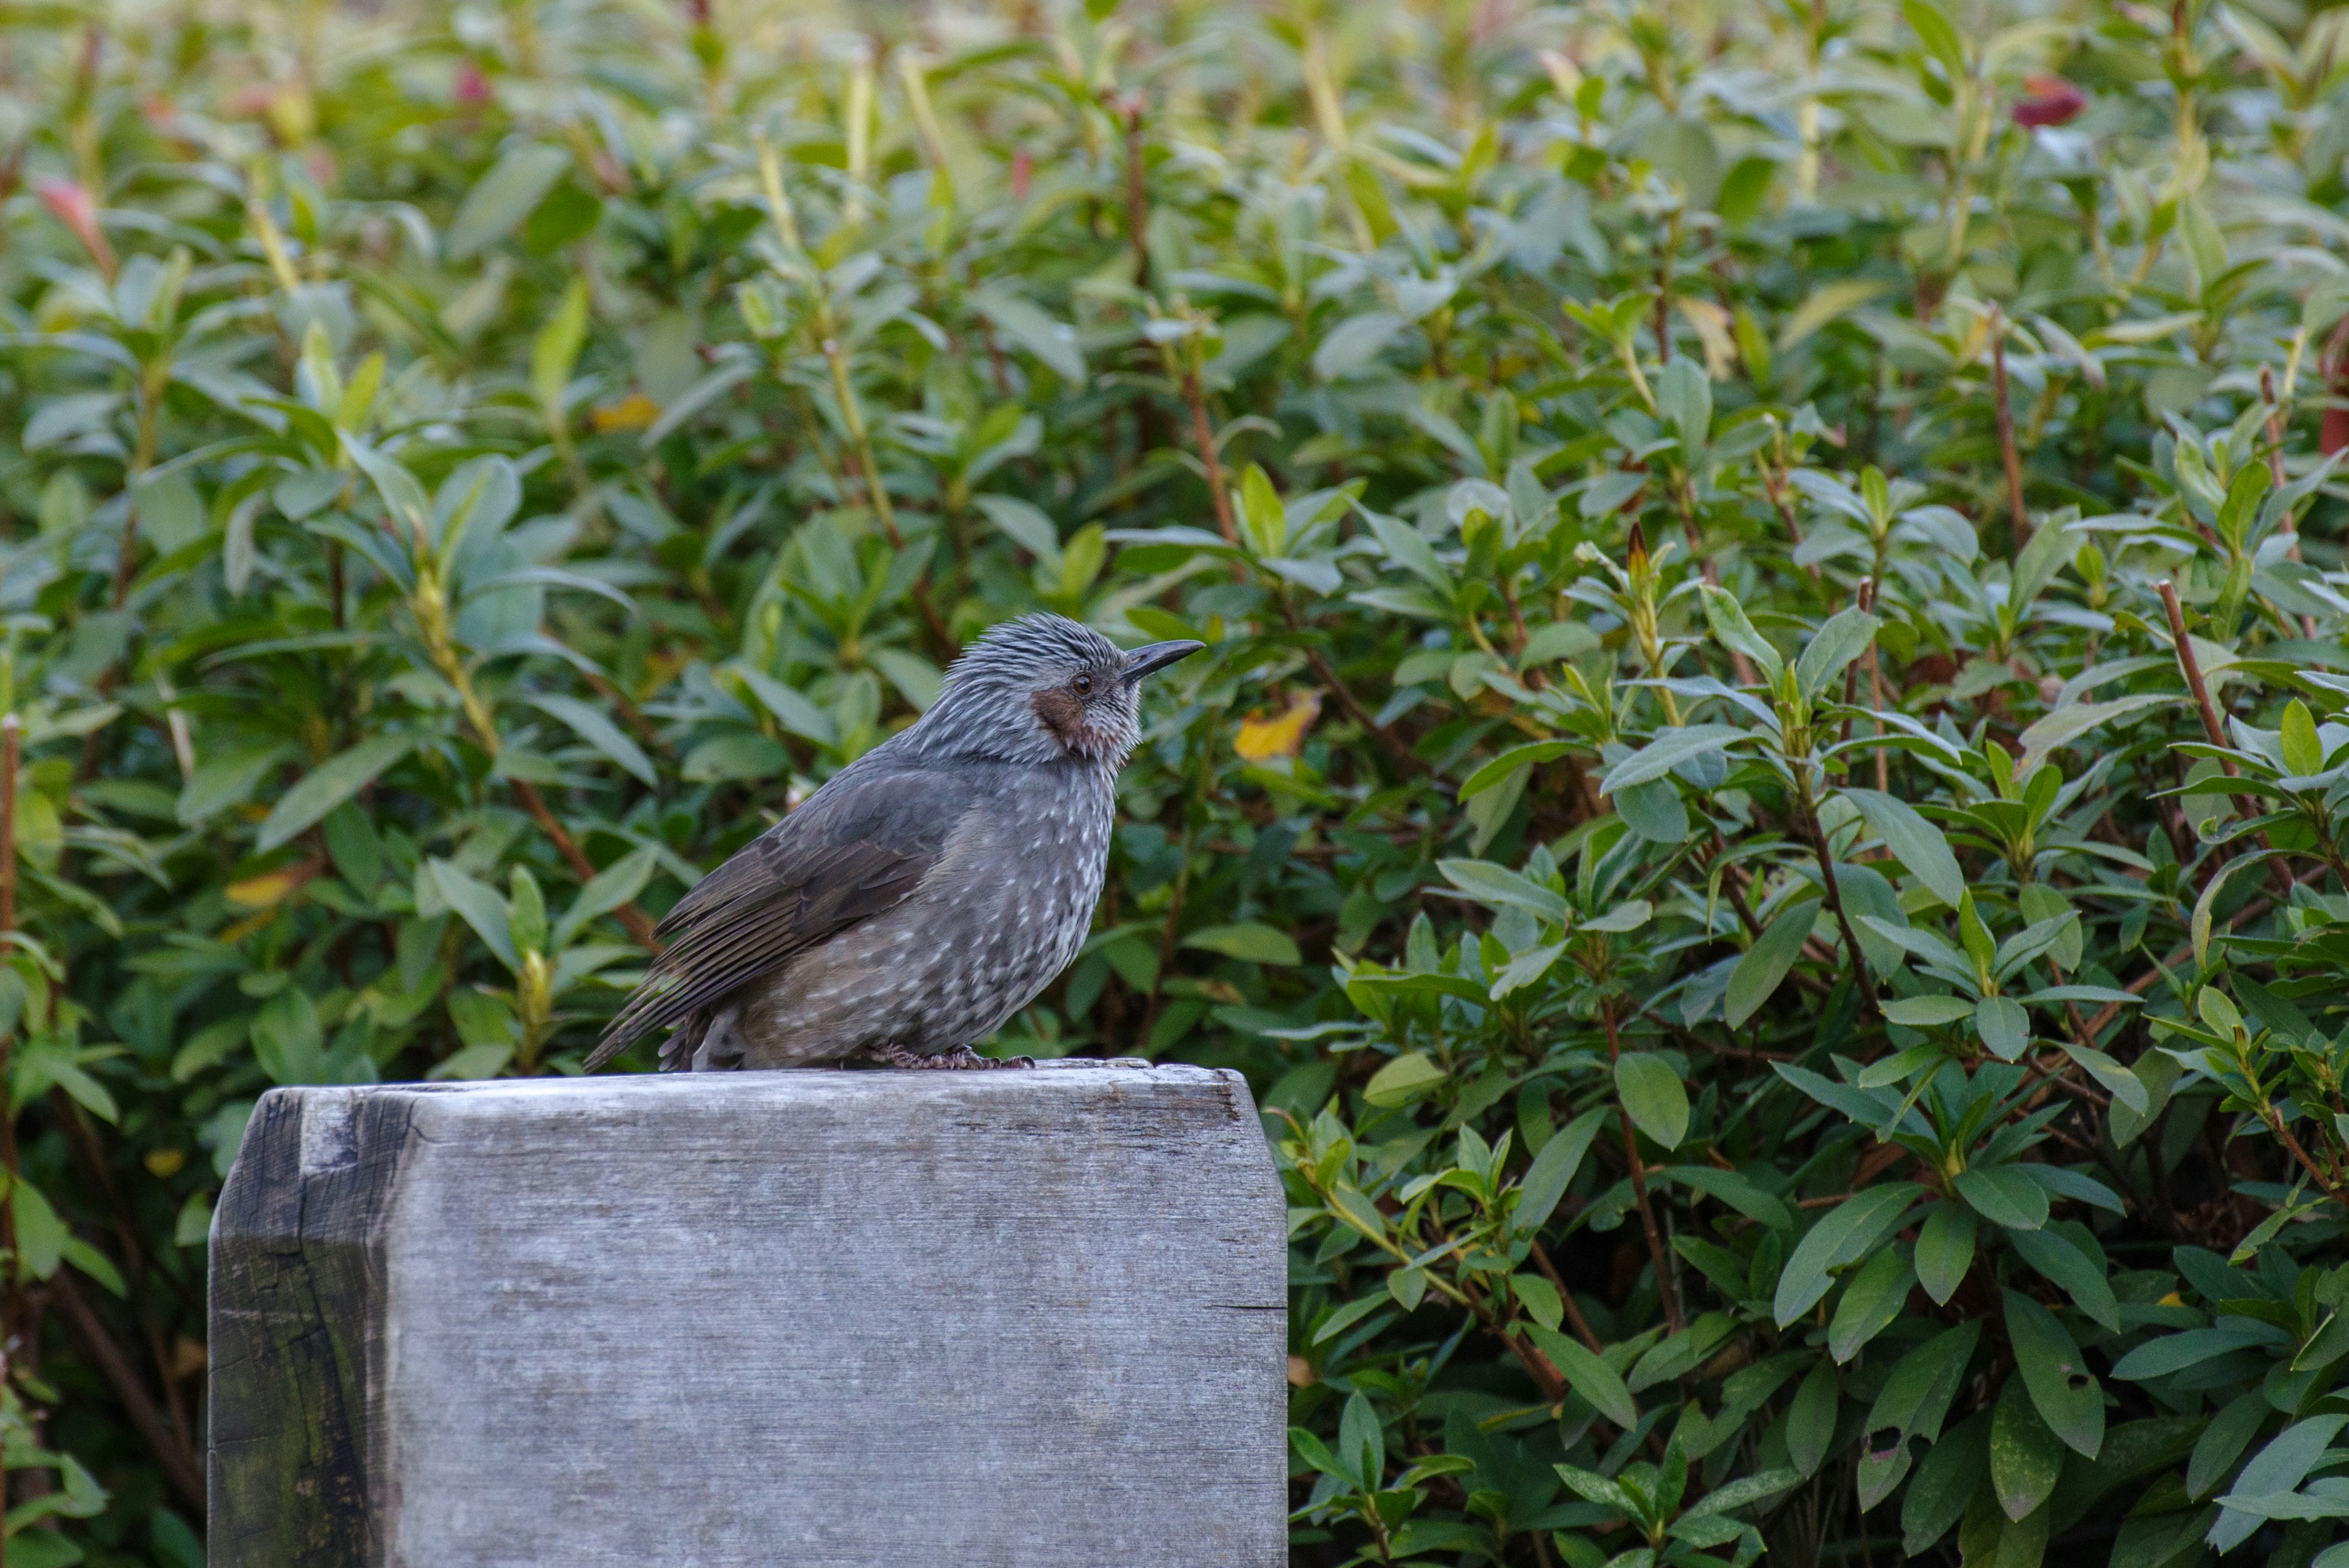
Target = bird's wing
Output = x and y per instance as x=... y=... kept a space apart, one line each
x=859 y=846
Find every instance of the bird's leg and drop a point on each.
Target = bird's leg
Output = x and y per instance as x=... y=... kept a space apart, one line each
x=962 y=1057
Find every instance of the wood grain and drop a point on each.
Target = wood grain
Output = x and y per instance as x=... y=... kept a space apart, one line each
x=1031 y=1318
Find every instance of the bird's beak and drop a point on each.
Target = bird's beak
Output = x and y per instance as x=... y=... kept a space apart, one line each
x=1156 y=656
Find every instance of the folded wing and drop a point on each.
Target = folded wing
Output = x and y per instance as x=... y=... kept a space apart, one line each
x=860 y=846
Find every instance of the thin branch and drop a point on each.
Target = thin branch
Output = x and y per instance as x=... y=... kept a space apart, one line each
x=1665 y=1289
x=2192 y=666
x=177 y=1460
x=640 y=924
x=2006 y=447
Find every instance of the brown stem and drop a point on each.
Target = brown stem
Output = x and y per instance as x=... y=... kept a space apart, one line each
x=603 y=687
x=1877 y=697
x=1665 y=1291
x=177 y=1460
x=640 y=924
x=1137 y=194
x=1203 y=432
x=1565 y=1296
x=71 y=1120
x=1390 y=742
x=2013 y=459
x=1867 y=601
x=1773 y=481
x=12 y=1301
x=12 y=738
x=2192 y=666
x=2285 y=525
x=1810 y=825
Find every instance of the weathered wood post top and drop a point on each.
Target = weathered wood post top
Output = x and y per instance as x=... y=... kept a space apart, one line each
x=787 y=1320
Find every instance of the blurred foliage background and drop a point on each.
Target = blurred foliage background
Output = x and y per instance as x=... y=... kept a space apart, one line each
x=1764 y=812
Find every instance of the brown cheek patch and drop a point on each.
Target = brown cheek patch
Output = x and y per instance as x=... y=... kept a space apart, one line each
x=1063 y=714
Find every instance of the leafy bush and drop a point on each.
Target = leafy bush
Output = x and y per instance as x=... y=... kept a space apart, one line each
x=1764 y=814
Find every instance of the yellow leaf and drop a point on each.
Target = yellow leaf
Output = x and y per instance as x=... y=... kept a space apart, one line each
x=633 y=412
x=1283 y=734
x=164 y=1163
x=229 y=935
x=262 y=891
x=1712 y=324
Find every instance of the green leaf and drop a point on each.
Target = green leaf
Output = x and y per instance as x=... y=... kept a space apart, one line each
x=2004 y=1027
x=1843 y=638
x=1895 y=1068
x=1353 y=343
x=1654 y=810
x=1262 y=516
x=1597 y=1382
x=1843 y=1234
x=1553 y=1168
x=2168 y=1353
x=1404 y=1079
x=329 y=785
x=96 y=1265
x=2223 y=1442
x=1735 y=1191
x=41 y=1236
x=1248 y=940
x=1667 y=750
x=2065 y=1392
x=1051 y=342
x=1870 y=1302
x=1914 y=1402
x=2025 y=1457
x=511 y=190
x=2003 y=1196
x=1653 y=1095
x=1764 y=965
x=1945 y=1482
x=480 y=906
x=226 y=781
x=1540 y=1298
x=1506 y=766
x=600 y=733
x=1363 y=1441
x=1915 y=843
x=557 y=349
x=1491 y=884
x=2279 y=1467
x=610 y=888
x=1935 y=31
x=1346 y=1317
x=1684 y=395
x=2066 y=725
x=1811 y=1418
x=1980 y=950
x=1928 y=1011
x=1945 y=1251
x=2303 y=753
x=2072 y=1271
x=2125 y=1087
x=2198 y=925
x=1727 y=618
x=1358 y=1210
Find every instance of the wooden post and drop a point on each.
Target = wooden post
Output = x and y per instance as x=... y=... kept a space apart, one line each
x=1019 y=1317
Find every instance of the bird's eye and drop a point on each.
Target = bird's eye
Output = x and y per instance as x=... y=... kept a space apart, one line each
x=1083 y=685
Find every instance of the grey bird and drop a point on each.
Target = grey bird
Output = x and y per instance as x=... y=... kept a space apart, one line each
x=928 y=891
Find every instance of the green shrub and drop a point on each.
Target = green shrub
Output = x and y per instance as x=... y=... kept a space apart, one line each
x=1764 y=814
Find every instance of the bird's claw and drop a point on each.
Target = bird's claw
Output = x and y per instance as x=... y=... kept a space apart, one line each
x=962 y=1058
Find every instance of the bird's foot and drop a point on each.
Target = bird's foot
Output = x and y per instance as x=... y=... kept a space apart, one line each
x=962 y=1057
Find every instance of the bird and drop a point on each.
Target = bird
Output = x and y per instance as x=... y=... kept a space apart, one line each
x=928 y=891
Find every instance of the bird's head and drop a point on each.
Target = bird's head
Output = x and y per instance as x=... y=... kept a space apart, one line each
x=1043 y=688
